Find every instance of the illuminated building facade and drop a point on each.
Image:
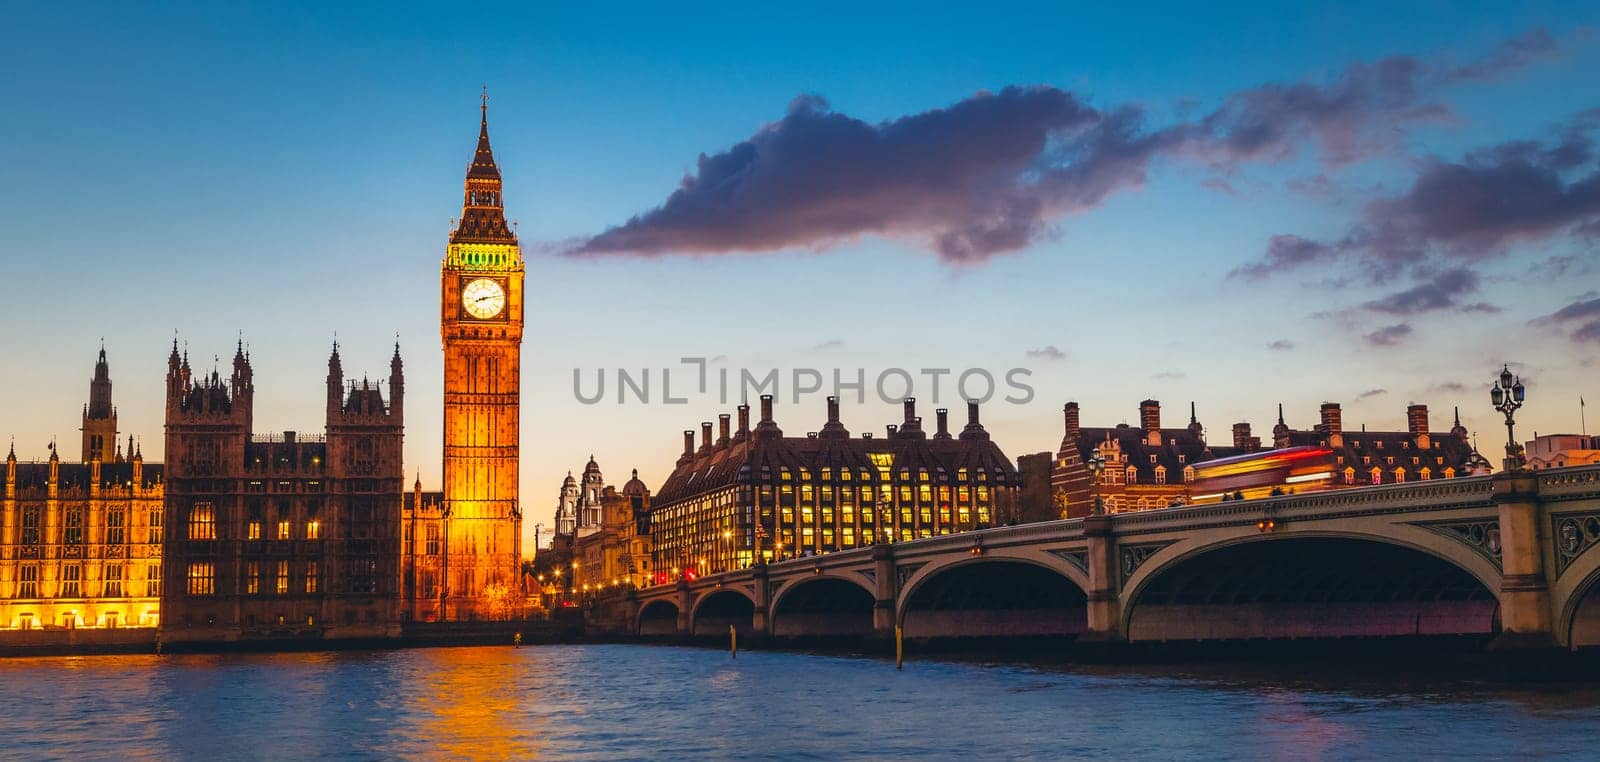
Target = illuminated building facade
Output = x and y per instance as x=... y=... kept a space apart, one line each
x=284 y=536
x=480 y=327
x=754 y=494
x=1562 y=451
x=1148 y=467
x=80 y=543
x=617 y=549
x=422 y=554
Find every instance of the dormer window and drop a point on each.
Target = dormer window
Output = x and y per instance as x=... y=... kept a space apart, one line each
x=1152 y=458
x=1161 y=474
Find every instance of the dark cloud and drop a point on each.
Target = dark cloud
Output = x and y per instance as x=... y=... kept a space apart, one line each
x=829 y=344
x=1047 y=352
x=1454 y=387
x=1280 y=345
x=990 y=174
x=1441 y=292
x=1170 y=375
x=1581 y=317
x=1466 y=210
x=1510 y=55
x=1370 y=393
x=1389 y=335
x=1287 y=252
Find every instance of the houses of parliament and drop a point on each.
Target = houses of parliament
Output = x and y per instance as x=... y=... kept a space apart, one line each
x=241 y=536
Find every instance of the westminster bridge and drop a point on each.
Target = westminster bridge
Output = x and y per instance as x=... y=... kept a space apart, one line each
x=1508 y=555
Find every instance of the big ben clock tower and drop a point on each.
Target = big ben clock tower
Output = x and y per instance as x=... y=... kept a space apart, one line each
x=480 y=325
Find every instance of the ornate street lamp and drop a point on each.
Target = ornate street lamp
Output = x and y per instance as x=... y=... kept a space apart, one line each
x=1096 y=464
x=1507 y=394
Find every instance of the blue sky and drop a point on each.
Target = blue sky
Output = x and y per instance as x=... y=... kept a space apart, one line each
x=292 y=173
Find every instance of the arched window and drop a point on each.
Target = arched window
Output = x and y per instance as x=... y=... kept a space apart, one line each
x=1349 y=475
x=1377 y=475
x=1399 y=475
x=1161 y=474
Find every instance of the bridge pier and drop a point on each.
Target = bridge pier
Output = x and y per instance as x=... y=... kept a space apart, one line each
x=1525 y=607
x=1105 y=601
x=685 y=609
x=886 y=592
x=761 y=617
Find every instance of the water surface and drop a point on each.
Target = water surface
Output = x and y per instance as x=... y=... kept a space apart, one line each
x=646 y=702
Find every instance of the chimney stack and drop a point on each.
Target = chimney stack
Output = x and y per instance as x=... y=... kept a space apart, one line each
x=744 y=422
x=974 y=429
x=891 y=429
x=724 y=422
x=1417 y=419
x=1332 y=419
x=1150 y=421
x=705 y=436
x=1241 y=436
x=1070 y=410
x=911 y=427
x=767 y=427
x=943 y=416
x=910 y=405
x=688 y=442
x=833 y=409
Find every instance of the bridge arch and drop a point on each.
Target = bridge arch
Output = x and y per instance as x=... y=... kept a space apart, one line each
x=827 y=605
x=718 y=608
x=1001 y=595
x=1576 y=595
x=1311 y=584
x=657 y=617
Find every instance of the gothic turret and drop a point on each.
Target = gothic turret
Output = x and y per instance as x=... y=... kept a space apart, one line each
x=397 y=385
x=99 y=416
x=335 y=382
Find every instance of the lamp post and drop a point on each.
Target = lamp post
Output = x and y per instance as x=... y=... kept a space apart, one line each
x=1507 y=394
x=1097 y=465
x=727 y=549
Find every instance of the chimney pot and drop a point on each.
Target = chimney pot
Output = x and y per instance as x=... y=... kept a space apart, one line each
x=766 y=408
x=705 y=436
x=943 y=416
x=688 y=441
x=1070 y=411
x=833 y=410
x=910 y=408
x=744 y=420
x=724 y=422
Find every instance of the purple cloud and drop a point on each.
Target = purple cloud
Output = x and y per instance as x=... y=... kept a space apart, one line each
x=1280 y=345
x=1389 y=335
x=991 y=173
x=1170 y=375
x=1047 y=352
x=1584 y=314
x=1370 y=393
x=1441 y=292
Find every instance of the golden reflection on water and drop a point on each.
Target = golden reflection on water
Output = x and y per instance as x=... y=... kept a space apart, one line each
x=469 y=703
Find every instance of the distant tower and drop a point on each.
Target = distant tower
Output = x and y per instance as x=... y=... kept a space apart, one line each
x=480 y=326
x=99 y=417
x=590 y=514
x=567 y=508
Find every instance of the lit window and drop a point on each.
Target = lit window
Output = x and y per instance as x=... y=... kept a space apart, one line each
x=283 y=578
x=311 y=576
x=313 y=530
x=252 y=531
x=252 y=578
x=152 y=580
x=71 y=575
x=28 y=581
x=202 y=523
x=283 y=529
x=155 y=526
x=116 y=527
x=202 y=579
x=113 y=586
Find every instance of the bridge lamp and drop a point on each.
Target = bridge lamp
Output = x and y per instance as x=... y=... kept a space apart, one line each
x=1507 y=395
x=1266 y=525
x=1097 y=465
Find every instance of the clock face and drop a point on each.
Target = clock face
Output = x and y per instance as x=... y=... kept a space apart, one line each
x=483 y=298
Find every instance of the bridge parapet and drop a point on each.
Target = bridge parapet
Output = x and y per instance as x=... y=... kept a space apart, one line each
x=1528 y=538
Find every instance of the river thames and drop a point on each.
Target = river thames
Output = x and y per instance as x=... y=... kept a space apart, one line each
x=645 y=702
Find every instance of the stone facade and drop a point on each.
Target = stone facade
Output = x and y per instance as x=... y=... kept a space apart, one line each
x=286 y=536
x=81 y=543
